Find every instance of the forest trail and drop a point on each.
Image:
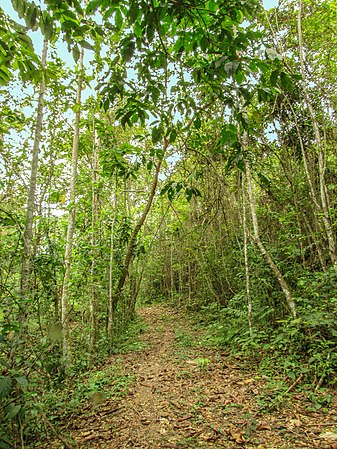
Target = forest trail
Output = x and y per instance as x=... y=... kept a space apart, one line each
x=183 y=395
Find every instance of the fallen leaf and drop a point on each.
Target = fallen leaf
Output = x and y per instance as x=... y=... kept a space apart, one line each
x=331 y=436
x=97 y=398
x=238 y=437
x=248 y=381
x=293 y=423
x=263 y=427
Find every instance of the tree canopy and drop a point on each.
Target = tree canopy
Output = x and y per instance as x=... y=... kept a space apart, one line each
x=187 y=154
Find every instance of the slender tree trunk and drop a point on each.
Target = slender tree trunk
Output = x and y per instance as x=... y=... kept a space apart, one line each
x=111 y=263
x=171 y=272
x=245 y=250
x=264 y=252
x=28 y=234
x=94 y=239
x=320 y=146
x=71 y=224
x=136 y=230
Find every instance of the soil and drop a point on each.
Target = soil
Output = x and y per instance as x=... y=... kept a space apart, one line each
x=184 y=395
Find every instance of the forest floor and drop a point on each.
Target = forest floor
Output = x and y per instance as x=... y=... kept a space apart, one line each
x=181 y=394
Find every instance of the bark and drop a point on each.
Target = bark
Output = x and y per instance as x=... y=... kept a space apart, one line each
x=320 y=146
x=111 y=264
x=264 y=252
x=245 y=250
x=71 y=226
x=135 y=232
x=28 y=234
x=94 y=230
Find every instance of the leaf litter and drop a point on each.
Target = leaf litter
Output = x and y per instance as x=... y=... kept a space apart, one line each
x=190 y=396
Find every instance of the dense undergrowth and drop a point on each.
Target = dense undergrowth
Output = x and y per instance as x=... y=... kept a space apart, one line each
x=303 y=348
x=37 y=397
x=292 y=356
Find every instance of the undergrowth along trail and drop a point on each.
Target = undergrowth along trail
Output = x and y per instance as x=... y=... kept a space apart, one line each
x=180 y=394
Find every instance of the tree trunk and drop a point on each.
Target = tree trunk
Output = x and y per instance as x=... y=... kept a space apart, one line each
x=264 y=252
x=94 y=239
x=71 y=225
x=28 y=234
x=245 y=250
x=136 y=230
x=110 y=317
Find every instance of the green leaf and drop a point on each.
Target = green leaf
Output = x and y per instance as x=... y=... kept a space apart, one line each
x=149 y=165
x=22 y=381
x=76 y=53
x=76 y=107
x=46 y=26
x=133 y=12
x=86 y=45
x=70 y=19
x=240 y=164
x=4 y=76
x=128 y=50
x=157 y=133
x=118 y=19
x=274 y=77
x=92 y=6
x=197 y=123
x=173 y=135
x=106 y=104
x=211 y=5
x=4 y=445
x=12 y=410
x=126 y=118
x=188 y=194
x=31 y=15
x=22 y=36
x=286 y=82
x=160 y=153
x=204 y=43
x=165 y=188
x=5 y=386
x=137 y=29
x=20 y=7
x=264 y=180
x=77 y=6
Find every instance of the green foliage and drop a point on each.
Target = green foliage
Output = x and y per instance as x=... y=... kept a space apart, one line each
x=15 y=404
x=184 y=339
x=204 y=84
x=129 y=340
x=202 y=363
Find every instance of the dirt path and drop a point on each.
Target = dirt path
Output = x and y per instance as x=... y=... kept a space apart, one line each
x=185 y=396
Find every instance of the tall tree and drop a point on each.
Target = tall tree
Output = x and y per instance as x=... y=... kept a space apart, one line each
x=283 y=284
x=94 y=242
x=28 y=234
x=71 y=220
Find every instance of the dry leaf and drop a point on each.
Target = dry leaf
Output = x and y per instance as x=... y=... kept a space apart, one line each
x=331 y=436
x=293 y=423
x=238 y=437
x=248 y=381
